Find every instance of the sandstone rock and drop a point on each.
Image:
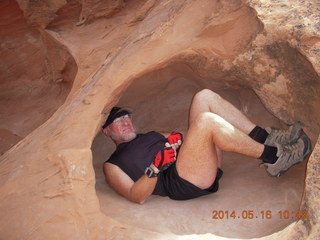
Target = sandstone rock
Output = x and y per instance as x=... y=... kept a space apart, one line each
x=97 y=9
x=36 y=72
x=60 y=77
x=40 y=13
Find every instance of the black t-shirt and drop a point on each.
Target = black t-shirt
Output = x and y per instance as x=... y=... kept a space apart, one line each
x=133 y=157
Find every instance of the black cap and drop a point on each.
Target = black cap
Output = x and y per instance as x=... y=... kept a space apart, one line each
x=115 y=113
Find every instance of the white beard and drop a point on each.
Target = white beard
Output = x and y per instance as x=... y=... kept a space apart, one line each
x=124 y=138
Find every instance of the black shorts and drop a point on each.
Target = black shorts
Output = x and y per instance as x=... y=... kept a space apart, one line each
x=178 y=188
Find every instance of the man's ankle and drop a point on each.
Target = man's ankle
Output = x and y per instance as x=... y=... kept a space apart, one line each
x=269 y=154
x=259 y=134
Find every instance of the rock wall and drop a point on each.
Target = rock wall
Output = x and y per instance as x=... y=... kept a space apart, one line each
x=82 y=56
x=37 y=73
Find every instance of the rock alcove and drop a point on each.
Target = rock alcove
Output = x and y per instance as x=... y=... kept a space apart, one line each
x=160 y=101
x=151 y=56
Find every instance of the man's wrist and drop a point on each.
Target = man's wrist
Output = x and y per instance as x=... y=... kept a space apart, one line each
x=151 y=172
x=154 y=168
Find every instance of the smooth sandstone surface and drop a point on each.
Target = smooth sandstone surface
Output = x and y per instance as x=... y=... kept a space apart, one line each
x=64 y=64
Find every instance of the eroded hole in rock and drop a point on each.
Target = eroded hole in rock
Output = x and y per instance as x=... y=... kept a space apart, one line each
x=160 y=101
x=37 y=73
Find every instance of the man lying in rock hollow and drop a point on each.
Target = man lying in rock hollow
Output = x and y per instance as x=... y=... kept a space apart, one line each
x=186 y=167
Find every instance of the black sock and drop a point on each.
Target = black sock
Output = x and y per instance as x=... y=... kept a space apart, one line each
x=259 y=134
x=269 y=154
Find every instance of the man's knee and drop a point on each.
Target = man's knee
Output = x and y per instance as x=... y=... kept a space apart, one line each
x=205 y=120
x=206 y=95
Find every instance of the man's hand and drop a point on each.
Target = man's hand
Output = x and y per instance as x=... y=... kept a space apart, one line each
x=164 y=158
x=175 y=137
x=175 y=140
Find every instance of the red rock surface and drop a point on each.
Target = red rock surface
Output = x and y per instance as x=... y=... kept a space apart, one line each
x=64 y=64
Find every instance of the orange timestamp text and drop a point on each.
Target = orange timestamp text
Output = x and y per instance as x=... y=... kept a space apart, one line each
x=264 y=214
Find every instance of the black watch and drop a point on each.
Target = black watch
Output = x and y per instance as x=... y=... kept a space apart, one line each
x=150 y=172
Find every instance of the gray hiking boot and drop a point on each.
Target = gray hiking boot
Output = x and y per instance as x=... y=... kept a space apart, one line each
x=288 y=156
x=283 y=137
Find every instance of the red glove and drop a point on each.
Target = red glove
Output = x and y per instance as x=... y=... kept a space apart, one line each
x=175 y=137
x=164 y=158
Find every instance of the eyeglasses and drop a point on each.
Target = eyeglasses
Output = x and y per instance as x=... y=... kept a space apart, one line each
x=125 y=118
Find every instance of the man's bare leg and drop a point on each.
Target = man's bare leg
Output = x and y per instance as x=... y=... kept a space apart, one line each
x=214 y=124
x=197 y=161
x=208 y=101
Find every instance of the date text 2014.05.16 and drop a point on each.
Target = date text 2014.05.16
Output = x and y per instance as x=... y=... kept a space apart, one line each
x=264 y=214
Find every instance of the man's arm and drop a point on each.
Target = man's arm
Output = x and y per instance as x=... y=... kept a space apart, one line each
x=137 y=191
